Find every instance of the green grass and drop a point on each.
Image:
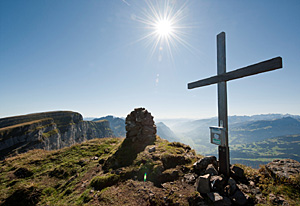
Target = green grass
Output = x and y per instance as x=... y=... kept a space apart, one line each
x=256 y=159
x=288 y=188
x=55 y=173
x=85 y=197
x=74 y=176
x=50 y=133
x=103 y=181
x=23 y=128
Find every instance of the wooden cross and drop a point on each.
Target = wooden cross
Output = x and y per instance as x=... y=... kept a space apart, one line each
x=221 y=79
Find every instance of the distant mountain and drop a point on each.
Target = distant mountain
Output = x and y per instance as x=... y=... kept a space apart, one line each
x=262 y=152
x=242 y=129
x=196 y=134
x=239 y=119
x=253 y=140
x=117 y=125
x=173 y=122
x=182 y=125
x=248 y=132
x=88 y=118
x=166 y=133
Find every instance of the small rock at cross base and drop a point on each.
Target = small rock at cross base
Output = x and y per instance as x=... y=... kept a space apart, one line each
x=211 y=170
x=203 y=184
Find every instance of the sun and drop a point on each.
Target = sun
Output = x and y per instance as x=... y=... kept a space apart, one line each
x=164 y=28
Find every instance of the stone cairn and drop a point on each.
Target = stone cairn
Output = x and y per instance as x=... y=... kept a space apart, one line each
x=140 y=126
x=220 y=190
x=141 y=131
x=233 y=190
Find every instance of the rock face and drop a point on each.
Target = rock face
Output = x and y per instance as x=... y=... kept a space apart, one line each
x=61 y=118
x=117 y=125
x=140 y=126
x=49 y=130
x=285 y=168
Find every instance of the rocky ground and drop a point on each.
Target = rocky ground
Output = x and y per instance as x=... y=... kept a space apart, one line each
x=77 y=176
x=141 y=169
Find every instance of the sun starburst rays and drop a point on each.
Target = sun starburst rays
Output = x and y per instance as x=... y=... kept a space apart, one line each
x=163 y=23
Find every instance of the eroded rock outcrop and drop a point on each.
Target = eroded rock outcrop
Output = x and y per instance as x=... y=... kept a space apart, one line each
x=48 y=130
x=283 y=169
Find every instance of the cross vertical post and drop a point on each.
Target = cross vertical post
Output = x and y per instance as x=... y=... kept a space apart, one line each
x=219 y=135
x=222 y=104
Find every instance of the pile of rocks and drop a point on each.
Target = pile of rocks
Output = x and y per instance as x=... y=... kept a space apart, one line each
x=140 y=126
x=141 y=132
x=219 y=189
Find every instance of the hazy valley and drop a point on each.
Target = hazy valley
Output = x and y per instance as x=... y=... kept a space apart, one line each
x=264 y=133
x=254 y=140
x=66 y=160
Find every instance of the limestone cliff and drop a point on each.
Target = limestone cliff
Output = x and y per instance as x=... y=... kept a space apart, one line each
x=48 y=130
x=141 y=169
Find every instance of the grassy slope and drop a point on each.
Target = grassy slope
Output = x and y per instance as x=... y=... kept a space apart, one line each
x=287 y=189
x=9 y=131
x=73 y=176
x=69 y=176
x=56 y=174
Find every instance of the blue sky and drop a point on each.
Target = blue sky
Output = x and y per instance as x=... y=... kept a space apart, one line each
x=90 y=57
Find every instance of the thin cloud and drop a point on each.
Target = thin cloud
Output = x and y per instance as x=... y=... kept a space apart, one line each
x=126 y=2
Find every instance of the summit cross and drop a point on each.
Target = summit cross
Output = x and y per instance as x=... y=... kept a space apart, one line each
x=221 y=78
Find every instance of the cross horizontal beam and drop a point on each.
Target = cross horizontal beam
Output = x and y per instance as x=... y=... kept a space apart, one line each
x=265 y=66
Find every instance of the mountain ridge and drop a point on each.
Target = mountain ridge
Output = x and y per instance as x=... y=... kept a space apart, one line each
x=243 y=129
x=47 y=130
x=116 y=124
x=142 y=169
